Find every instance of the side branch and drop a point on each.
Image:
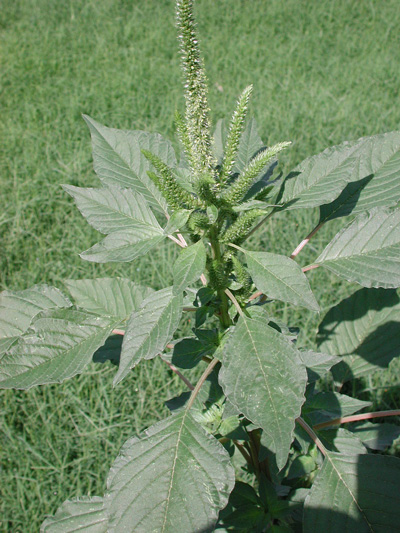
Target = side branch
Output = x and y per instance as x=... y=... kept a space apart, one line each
x=356 y=418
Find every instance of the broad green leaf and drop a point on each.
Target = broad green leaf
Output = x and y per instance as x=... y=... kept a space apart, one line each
x=124 y=246
x=325 y=406
x=172 y=479
x=189 y=266
x=59 y=345
x=18 y=308
x=263 y=377
x=115 y=297
x=189 y=351
x=113 y=209
x=177 y=221
x=376 y=436
x=280 y=278
x=319 y=179
x=367 y=251
x=149 y=329
x=354 y=494
x=364 y=330
x=250 y=144
x=318 y=364
x=118 y=159
x=86 y=515
x=380 y=183
x=342 y=441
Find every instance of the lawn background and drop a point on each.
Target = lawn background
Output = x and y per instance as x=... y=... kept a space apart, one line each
x=323 y=72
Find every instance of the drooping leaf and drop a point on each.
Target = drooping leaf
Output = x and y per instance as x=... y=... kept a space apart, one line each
x=263 y=377
x=18 y=308
x=118 y=159
x=364 y=330
x=124 y=246
x=318 y=364
x=114 y=209
x=375 y=436
x=86 y=515
x=59 y=345
x=250 y=144
x=380 y=183
x=149 y=329
x=325 y=406
x=115 y=297
x=189 y=266
x=280 y=278
x=354 y=494
x=173 y=479
x=367 y=251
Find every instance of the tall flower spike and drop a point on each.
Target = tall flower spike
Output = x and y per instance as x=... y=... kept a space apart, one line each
x=235 y=132
x=239 y=188
x=197 y=110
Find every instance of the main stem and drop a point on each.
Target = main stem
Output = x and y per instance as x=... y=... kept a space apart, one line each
x=216 y=251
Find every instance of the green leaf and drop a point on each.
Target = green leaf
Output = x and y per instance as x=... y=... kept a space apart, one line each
x=116 y=297
x=173 y=479
x=118 y=159
x=325 y=406
x=376 y=436
x=280 y=278
x=124 y=246
x=110 y=351
x=319 y=179
x=318 y=364
x=149 y=329
x=113 y=209
x=219 y=140
x=367 y=251
x=177 y=221
x=86 y=515
x=18 y=308
x=189 y=266
x=364 y=330
x=354 y=494
x=59 y=345
x=250 y=144
x=381 y=185
x=341 y=440
x=263 y=377
x=188 y=352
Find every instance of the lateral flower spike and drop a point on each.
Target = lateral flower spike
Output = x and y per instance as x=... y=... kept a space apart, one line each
x=169 y=187
x=195 y=83
x=234 y=194
x=235 y=132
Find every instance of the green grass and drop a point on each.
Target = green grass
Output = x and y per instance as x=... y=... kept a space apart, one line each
x=323 y=72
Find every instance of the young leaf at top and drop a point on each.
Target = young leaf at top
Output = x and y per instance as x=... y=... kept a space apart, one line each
x=115 y=297
x=173 y=479
x=354 y=494
x=379 y=185
x=124 y=246
x=18 y=308
x=264 y=378
x=280 y=278
x=189 y=266
x=59 y=345
x=177 y=220
x=118 y=159
x=367 y=251
x=364 y=330
x=250 y=144
x=113 y=209
x=149 y=329
x=86 y=515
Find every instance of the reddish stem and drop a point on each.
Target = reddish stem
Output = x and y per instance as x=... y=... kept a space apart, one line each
x=311 y=434
x=305 y=241
x=309 y=267
x=356 y=418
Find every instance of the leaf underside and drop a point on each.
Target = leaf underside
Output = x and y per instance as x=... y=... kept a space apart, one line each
x=84 y=515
